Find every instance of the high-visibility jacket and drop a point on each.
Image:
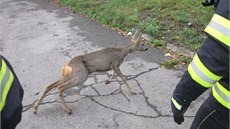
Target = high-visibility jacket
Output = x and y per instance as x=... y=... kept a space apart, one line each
x=210 y=66
x=11 y=94
x=6 y=80
x=219 y=29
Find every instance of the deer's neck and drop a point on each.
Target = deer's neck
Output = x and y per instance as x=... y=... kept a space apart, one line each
x=125 y=50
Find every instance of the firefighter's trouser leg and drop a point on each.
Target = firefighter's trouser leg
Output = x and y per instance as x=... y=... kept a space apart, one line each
x=211 y=115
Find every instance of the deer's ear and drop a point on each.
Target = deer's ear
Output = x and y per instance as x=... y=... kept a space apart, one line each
x=136 y=36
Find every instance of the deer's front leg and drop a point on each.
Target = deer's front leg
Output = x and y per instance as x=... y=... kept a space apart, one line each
x=119 y=73
x=110 y=79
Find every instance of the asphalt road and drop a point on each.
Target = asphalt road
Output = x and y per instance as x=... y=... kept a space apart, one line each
x=38 y=38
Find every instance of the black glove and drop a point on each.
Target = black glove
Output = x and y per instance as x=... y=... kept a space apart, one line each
x=179 y=107
x=210 y=3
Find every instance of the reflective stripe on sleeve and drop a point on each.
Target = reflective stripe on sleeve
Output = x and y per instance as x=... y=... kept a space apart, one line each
x=6 y=80
x=176 y=104
x=219 y=28
x=221 y=94
x=202 y=74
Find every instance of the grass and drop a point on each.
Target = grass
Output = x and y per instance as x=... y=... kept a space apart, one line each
x=175 y=21
x=167 y=21
x=176 y=62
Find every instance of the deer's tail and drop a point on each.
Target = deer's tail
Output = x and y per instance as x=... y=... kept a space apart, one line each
x=67 y=70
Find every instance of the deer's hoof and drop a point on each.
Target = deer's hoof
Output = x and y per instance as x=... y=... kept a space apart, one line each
x=133 y=93
x=69 y=111
x=107 y=82
x=35 y=110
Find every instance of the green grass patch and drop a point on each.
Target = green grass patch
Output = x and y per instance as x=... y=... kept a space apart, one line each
x=176 y=62
x=175 y=21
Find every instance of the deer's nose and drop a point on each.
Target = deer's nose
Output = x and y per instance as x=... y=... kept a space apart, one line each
x=146 y=49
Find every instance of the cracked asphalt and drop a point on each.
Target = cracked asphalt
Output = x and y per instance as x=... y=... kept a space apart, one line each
x=38 y=38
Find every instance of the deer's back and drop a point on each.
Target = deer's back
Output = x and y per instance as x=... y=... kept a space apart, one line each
x=100 y=60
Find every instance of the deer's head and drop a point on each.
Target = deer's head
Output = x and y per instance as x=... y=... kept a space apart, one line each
x=136 y=43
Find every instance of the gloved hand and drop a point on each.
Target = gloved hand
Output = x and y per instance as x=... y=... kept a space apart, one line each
x=210 y=3
x=179 y=107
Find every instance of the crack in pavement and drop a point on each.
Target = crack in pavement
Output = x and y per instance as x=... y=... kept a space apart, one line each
x=115 y=92
x=147 y=100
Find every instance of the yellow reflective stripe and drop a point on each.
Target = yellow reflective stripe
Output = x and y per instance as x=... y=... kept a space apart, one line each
x=221 y=20
x=2 y=73
x=223 y=90
x=219 y=28
x=222 y=95
x=201 y=74
x=5 y=86
x=6 y=90
x=218 y=35
x=205 y=70
x=196 y=78
x=177 y=105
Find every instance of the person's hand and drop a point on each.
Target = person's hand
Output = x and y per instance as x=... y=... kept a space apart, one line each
x=210 y=3
x=179 y=108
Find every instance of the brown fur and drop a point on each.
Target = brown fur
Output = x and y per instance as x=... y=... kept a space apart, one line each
x=67 y=70
x=76 y=71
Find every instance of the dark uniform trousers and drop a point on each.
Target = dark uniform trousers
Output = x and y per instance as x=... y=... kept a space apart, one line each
x=211 y=115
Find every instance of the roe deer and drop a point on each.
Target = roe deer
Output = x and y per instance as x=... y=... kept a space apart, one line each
x=77 y=70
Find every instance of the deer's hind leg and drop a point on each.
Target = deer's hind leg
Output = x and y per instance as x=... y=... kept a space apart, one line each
x=78 y=76
x=48 y=88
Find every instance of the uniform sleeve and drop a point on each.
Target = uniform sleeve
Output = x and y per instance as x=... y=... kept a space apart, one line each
x=219 y=26
x=211 y=62
x=208 y=66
